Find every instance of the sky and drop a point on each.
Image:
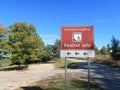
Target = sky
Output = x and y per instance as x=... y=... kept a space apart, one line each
x=48 y=16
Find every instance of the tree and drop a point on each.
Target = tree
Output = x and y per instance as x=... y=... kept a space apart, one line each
x=26 y=44
x=115 y=47
x=56 y=48
x=4 y=42
x=48 y=50
x=96 y=50
x=104 y=50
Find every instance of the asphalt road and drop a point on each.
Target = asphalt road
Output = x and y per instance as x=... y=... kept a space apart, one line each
x=106 y=77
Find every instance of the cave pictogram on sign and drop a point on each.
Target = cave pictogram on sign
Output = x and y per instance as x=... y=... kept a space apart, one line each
x=76 y=36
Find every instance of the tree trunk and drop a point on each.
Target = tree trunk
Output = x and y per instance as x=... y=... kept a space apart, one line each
x=26 y=65
x=19 y=65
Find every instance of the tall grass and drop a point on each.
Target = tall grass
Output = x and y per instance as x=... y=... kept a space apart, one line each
x=106 y=60
x=102 y=57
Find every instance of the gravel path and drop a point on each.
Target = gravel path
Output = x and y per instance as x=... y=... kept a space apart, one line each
x=10 y=80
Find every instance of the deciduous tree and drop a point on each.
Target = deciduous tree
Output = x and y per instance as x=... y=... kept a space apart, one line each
x=104 y=50
x=26 y=43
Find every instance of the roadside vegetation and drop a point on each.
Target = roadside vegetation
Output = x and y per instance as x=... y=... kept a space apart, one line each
x=60 y=63
x=22 y=41
x=106 y=60
x=4 y=63
x=26 y=46
x=109 y=55
x=58 y=84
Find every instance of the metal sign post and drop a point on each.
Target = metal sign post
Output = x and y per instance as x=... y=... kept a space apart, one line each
x=88 y=59
x=65 y=73
x=77 y=41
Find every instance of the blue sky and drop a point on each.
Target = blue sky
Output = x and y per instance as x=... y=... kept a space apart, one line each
x=49 y=16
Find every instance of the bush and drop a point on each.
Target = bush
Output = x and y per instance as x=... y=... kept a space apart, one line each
x=102 y=57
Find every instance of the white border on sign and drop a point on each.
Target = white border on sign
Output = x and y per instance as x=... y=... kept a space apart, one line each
x=77 y=53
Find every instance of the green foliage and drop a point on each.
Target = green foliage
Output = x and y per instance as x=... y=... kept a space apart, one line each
x=53 y=51
x=60 y=63
x=56 y=48
x=102 y=57
x=104 y=50
x=4 y=43
x=96 y=50
x=49 y=49
x=6 y=62
x=115 y=47
x=25 y=43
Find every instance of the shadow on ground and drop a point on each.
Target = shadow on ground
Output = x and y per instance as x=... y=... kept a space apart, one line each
x=107 y=77
x=13 y=68
x=71 y=66
x=32 y=88
x=59 y=85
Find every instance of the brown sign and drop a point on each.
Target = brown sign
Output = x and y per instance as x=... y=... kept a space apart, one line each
x=77 y=38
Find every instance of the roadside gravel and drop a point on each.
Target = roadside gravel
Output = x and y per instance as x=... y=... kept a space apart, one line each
x=10 y=80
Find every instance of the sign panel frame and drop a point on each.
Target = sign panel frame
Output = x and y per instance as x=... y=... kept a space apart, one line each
x=77 y=41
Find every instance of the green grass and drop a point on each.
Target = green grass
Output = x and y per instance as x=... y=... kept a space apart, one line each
x=5 y=62
x=58 y=84
x=80 y=58
x=60 y=63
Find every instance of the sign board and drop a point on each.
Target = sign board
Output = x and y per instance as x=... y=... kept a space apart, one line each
x=77 y=41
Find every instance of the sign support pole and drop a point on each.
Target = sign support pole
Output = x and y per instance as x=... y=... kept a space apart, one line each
x=88 y=59
x=65 y=73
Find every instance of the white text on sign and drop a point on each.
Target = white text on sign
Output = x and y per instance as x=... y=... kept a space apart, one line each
x=83 y=45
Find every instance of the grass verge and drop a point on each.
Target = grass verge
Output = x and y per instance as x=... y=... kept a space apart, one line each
x=109 y=63
x=6 y=65
x=58 y=84
x=60 y=63
x=4 y=62
x=106 y=60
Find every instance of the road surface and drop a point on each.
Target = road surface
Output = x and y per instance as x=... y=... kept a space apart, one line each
x=106 y=77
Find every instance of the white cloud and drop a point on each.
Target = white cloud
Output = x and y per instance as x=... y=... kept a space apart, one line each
x=102 y=20
x=50 y=38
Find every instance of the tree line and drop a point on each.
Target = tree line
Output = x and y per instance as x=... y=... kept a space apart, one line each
x=112 y=49
x=26 y=46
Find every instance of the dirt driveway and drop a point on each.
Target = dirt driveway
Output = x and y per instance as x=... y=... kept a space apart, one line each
x=10 y=80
